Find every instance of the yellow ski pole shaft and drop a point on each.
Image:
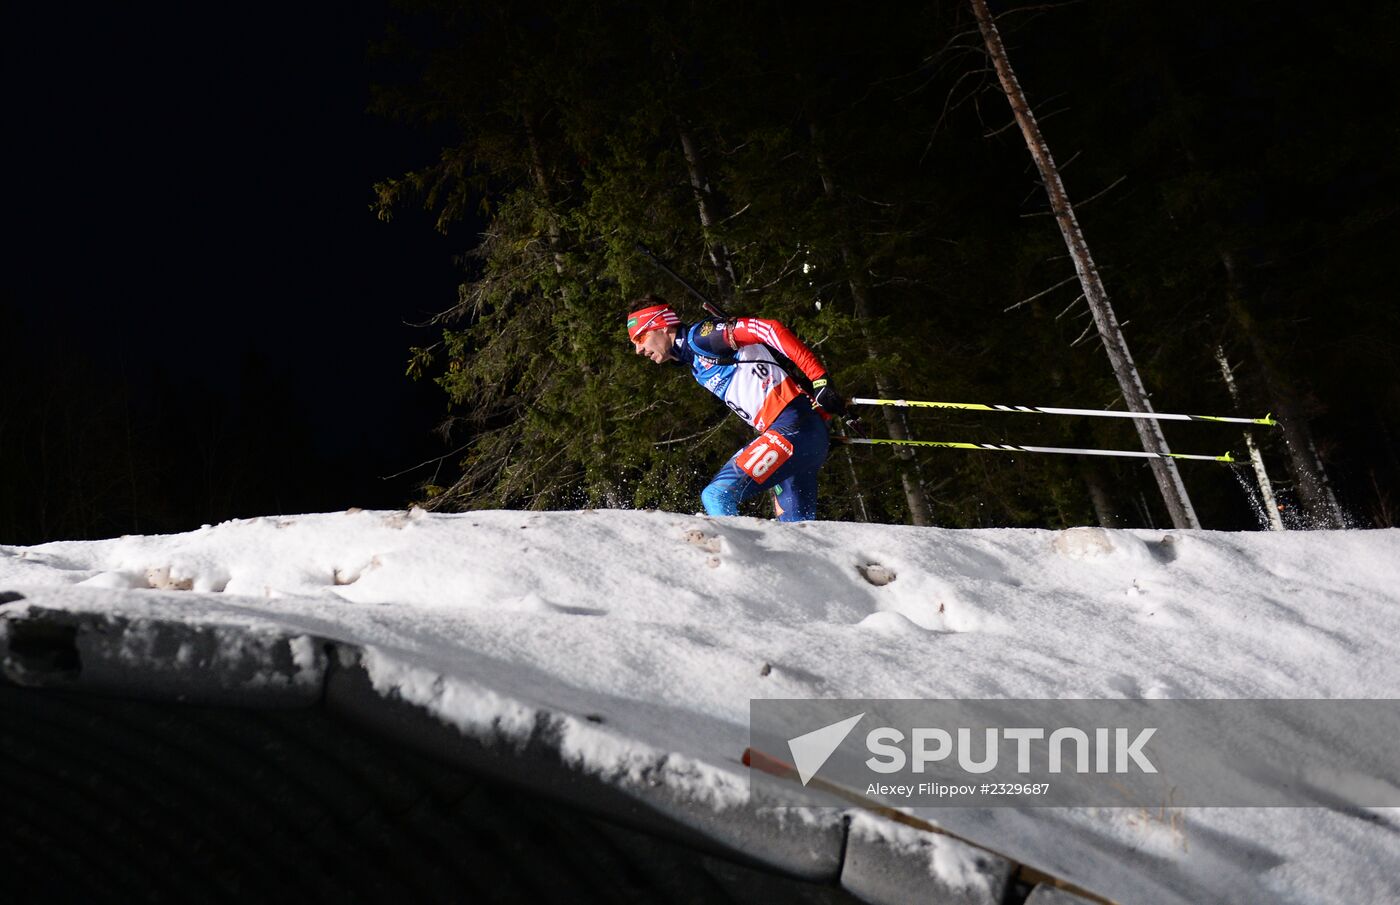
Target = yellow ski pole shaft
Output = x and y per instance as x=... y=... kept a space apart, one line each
x=1061 y=450
x=1267 y=420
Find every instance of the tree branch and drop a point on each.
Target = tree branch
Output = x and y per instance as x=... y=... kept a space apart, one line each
x=1042 y=292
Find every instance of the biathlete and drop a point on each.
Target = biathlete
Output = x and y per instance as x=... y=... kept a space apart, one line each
x=752 y=364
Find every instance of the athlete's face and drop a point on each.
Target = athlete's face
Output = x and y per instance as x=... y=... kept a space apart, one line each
x=658 y=345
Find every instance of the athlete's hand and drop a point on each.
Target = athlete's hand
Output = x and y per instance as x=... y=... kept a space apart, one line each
x=827 y=397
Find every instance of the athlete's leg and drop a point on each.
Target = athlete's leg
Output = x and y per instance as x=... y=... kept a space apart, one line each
x=783 y=501
x=797 y=493
x=795 y=479
x=728 y=488
x=797 y=497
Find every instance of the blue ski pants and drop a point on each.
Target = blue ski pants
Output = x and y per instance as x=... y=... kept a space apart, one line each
x=794 y=481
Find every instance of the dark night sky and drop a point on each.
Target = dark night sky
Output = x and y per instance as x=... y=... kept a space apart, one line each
x=194 y=190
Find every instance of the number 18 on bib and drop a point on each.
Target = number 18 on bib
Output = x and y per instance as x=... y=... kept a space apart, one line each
x=764 y=456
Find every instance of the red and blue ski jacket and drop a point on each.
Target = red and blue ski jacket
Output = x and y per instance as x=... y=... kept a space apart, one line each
x=748 y=362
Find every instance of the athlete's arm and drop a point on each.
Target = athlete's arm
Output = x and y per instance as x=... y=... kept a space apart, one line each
x=749 y=330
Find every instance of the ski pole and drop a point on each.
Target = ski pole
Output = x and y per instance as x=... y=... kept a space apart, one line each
x=1007 y=447
x=710 y=306
x=1041 y=410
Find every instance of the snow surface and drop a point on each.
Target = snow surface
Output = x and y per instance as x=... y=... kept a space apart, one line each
x=666 y=625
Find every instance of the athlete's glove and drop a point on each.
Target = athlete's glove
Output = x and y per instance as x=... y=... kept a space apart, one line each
x=826 y=396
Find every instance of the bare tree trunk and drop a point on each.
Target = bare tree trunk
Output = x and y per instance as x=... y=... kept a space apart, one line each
x=919 y=513
x=704 y=200
x=855 y=486
x=1266 y=487
x=1105 y=510
x=541 y=178
x=1183 y=514
x=1314 y=489
x=914 y=496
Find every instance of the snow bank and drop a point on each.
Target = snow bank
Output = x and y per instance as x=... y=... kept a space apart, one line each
x=651 y=631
